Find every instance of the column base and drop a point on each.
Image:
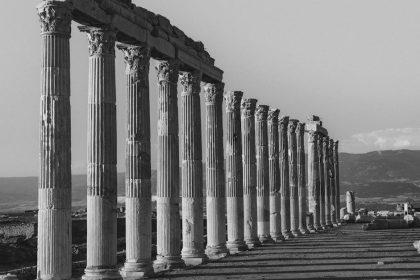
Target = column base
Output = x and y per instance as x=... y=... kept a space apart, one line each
x=287 y=235
x=194 y=259
x=101 y=274
x=265 y=239
x=217 y=252
x=296 y=233
x=252 y=243
x=235 y=247
x=133 y=271
x=277 y=238
x=304 y=231
x=168 y=263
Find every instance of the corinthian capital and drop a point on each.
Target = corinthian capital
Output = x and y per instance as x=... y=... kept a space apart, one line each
x=190 y=82
x=101 y=40
x=233 y=100
x=283 y=121
x=55 y=17
x=248 y=107
x=213 y=93
x=261 y=113
x=137 y=60
x=273 y=116
x=167 y=71
x=300 y=128
x=292 y=125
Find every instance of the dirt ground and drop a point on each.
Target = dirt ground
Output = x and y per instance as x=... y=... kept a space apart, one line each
x=344 y=253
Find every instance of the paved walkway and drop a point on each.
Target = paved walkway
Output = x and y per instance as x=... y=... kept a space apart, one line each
x=344 y=253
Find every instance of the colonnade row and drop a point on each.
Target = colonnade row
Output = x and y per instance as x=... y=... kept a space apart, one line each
x=256 y=183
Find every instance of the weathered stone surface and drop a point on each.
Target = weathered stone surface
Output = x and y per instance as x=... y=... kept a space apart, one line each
x=313 y=179
x=327 y=181
x=54 y=187
x=192 y=173
x=321 y=182
x=102 y=157
x=234 y=188
x=337 y=180
x=274 y=174
x=333 y=194
x=138 y=166
x=249 y=168
x=263 y=188
x=167 y=197
x=301 y=174
x=293 y=178
x=284 y=177
x=215 y=181
x=350 y=202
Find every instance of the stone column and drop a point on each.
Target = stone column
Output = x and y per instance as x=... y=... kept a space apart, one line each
x=263 y=187
x=313 y=180
x=192 y=173
x=327 y=181
x=284 y=178
x=215 y=185
x=102 y=157
x=138 y=214
x=350 y=202
x=249 y=172
x=54 y=185
x=336 y=182
x=333 y=208
x=274 y=175
x=321 y=182
x=293 y=178
x=300 y=134
x=234 y=188
x=168 y=239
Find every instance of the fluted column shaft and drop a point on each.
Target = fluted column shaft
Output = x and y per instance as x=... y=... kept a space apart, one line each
x=138 y=234
x=321 y=182
x=215 y=184
x=313 y=179
x=300 y=135
x=167 y=194
x=293 y=178
x=192 y=173
x=336 y=182
x=333 y=204
x=263 y=187
x=54 y=258
x=234 y=189
x=274 y=174
x=284 y=177
x=102 y=157
x=249 y=171
x=327 y=181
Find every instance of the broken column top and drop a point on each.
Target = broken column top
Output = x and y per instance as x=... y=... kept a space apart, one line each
x=315 y=125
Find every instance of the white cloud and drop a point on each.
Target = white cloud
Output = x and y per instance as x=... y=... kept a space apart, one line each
x=390 y=138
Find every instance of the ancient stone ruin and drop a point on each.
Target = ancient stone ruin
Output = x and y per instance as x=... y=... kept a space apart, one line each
x=262 y=191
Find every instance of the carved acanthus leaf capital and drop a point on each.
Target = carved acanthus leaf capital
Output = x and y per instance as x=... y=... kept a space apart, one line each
x=292 y=125
x=167 y=70
x=213 y=93
x=283 y=122
x=137 y=60
x=300 y=128
x=273 y=115
x=55 y=17
x=248 y=106
x=233 y=100
x=101 y=40
x=261 y=113
x=190 y=82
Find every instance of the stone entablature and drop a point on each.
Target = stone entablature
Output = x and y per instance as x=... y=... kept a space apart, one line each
x=135 y=25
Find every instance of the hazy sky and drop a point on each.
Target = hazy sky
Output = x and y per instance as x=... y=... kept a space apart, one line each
x=354 y=63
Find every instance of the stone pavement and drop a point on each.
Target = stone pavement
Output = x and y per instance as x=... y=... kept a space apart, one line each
x=344 y=253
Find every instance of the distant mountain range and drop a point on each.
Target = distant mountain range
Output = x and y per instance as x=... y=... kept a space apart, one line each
x=380 y=179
